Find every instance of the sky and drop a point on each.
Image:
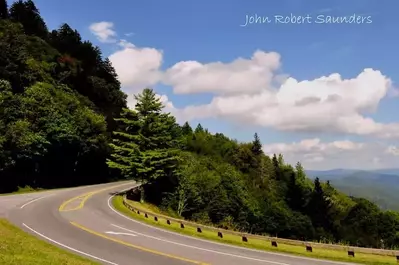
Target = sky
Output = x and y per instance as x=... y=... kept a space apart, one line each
x=320 y=92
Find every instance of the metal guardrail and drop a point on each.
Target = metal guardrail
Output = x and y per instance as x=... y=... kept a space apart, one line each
x=273 y=240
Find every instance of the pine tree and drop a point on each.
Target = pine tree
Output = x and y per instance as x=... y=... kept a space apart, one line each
x=143 y=147
x=296 y=197
x=199 y=128
x=156 y=141
x=26 y=13
x=186 y=129
x=3 y=9
x=256 y=146
x=319 y=208
x=126 y=151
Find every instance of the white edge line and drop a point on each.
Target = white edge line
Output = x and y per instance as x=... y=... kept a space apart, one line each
x=29 y=202
x=217 y=243
x=204 y=249
x=119 y=233
x=78 y=251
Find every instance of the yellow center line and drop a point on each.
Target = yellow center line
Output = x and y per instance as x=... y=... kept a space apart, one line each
x=84 y=197
x=137 y=247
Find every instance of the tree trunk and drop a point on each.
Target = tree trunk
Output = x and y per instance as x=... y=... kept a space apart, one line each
x=142 y=195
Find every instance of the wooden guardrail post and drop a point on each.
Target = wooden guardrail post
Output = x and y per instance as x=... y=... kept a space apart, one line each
x=349 y=249
x=309 y=248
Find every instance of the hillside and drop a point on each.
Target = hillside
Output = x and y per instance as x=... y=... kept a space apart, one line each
x=64 y=122
x=380 y=186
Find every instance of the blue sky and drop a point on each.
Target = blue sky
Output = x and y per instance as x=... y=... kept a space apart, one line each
x=209 y=31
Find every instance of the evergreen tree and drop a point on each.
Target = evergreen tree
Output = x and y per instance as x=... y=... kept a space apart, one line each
x=3 y=9
x=144 y=148
x=296 y=197
x=256 y=146
x=186 y=129
x=199 y=128
x=277 y=168
x=319 y=210
x=126 y=150
x=26 y=13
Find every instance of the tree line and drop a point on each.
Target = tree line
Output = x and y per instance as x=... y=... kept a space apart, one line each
x=64 y=122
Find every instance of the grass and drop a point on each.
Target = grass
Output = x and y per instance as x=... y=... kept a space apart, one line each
x=252 y=243
x=18 y=247
x=22 y=190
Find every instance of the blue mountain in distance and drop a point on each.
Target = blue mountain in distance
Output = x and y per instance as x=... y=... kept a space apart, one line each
x=380 y=186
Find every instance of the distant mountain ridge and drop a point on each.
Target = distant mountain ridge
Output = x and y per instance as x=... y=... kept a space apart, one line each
x=380 y=186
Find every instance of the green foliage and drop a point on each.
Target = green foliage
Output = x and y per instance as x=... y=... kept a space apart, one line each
x=143 y=149
x=56 y=103
x=60 y=101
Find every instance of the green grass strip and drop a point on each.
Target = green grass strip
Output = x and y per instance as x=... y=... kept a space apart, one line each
x=18 y=247
x=259 y=244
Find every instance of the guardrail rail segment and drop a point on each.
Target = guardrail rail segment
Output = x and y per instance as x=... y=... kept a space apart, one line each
x=309 y=246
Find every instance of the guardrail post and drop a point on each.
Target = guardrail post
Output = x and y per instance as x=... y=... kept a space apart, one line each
x=138 y=212
x=168 y=222
x=274 y=244
x=199 y=230
x=146 y=215
x=309 y=248
x=181 y=225
x=220 y=234
x=156 y=218
x=244 y=239
x=351 y=253
x=397 y=258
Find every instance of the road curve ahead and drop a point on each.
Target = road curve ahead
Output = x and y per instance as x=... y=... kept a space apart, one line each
x=83 y=221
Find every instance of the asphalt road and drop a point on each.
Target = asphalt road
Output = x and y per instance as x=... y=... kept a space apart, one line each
x=87 y=224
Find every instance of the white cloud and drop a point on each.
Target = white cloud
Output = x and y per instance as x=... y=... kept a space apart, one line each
x=315 y=154
x=253 y=91
x=103 y=31
x=393 y=150
x=326 y=104
x=137 y=67
x=241 y=76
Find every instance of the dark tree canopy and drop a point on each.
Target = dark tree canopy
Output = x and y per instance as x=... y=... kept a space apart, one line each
x=64 y=122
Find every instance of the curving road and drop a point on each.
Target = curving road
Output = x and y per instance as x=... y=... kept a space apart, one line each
x=83 y=221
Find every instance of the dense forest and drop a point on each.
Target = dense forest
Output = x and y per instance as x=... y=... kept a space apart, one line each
x=64 y=122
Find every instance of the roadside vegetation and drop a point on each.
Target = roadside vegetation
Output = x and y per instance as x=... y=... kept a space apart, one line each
x=64 y=122
x=258 y=244
x=18 y=247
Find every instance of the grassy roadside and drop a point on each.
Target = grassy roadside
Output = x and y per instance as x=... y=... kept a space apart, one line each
x=18 y=247
x=252 y=243
x=22 y=190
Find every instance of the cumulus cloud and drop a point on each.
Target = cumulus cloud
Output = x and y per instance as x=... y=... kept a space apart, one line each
x=253 y=91
x=137 y=67
x=316 y=154
x=241 y=76
x=326 y=104
x=104 y=31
